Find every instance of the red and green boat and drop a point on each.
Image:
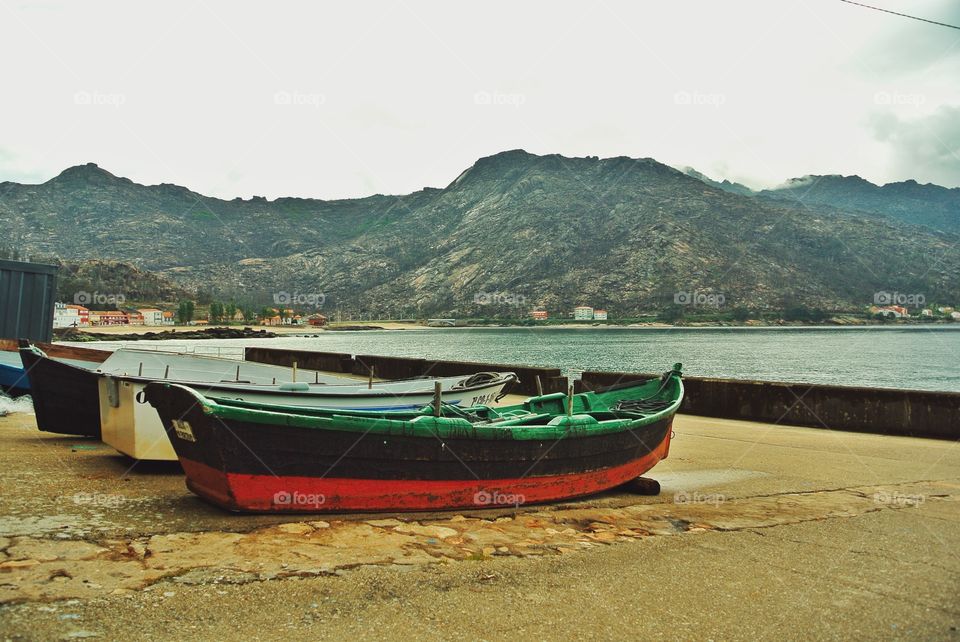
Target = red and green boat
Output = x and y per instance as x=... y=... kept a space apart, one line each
x=253 y=457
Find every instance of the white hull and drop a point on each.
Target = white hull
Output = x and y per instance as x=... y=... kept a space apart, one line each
x=132 y=428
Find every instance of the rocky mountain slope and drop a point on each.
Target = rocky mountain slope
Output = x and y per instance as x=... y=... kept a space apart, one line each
x=87 y=281
x=725 y=185
x=513 y=231
x=929 y=205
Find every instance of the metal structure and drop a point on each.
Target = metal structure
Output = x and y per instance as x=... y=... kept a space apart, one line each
x=27 y=292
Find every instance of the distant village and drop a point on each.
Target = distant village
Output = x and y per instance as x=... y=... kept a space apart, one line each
x=900 y=312
x=74 y=315
x=580 y=313
x=67 y=315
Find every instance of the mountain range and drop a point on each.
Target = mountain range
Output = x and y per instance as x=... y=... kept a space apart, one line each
x=908 y=201
x=513 y=231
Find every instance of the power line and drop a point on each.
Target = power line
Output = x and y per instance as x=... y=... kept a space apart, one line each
x=933 y=22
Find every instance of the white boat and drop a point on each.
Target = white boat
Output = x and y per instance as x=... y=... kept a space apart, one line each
x=134 y=428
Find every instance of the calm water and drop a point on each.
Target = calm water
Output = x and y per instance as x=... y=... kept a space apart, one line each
x=921 y=358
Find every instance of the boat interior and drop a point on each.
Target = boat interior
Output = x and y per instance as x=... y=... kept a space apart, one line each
x=632 y=402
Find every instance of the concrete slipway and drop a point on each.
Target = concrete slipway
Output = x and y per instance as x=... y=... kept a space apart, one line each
x=761 y=532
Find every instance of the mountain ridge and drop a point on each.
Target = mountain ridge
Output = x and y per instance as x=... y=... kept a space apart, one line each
x=552 y=231
x=927 y=204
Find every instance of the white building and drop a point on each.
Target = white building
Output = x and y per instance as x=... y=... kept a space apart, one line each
x=151 y=316
x=66 y=316
x=599 y=315
x=955 y=316
x=583 y=313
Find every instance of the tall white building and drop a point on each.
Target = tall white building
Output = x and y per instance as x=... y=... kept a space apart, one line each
x=69 y=316
x=583 y=313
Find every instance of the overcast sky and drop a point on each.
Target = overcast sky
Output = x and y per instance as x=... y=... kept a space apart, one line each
x=345 y=99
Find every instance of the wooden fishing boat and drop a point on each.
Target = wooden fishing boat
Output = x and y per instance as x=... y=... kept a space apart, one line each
x=64 y=391
x=261 y=458
x=135 y=429
x=101 y=401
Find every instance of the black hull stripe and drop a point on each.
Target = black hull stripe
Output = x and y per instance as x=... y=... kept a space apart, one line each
x=254 y=449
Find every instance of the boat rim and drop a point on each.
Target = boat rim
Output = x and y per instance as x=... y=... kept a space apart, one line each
x=425 y=426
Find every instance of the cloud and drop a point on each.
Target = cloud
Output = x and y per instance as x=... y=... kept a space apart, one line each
x=905 y=46
x=927 y=146
x=351 y=99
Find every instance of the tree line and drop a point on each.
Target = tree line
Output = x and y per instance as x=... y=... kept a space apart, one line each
x=217 y=312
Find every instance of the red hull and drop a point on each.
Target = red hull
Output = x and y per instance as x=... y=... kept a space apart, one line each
x=267 y=493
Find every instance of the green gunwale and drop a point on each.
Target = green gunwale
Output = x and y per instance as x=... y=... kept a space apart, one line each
x=581 y=423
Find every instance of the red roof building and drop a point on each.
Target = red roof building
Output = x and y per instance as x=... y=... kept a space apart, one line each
x=109 y=317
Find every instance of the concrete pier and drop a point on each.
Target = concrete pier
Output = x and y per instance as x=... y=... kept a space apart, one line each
x=760 y=532
x=914 y=413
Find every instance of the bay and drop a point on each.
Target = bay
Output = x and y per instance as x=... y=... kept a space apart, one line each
x=922 y=358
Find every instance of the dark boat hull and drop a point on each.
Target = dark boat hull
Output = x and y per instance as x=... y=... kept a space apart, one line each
x=66 y=398
x=254 y=467
x=242 y=492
